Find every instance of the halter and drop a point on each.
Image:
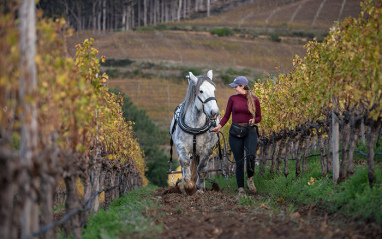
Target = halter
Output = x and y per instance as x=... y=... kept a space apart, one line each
x=208 y=99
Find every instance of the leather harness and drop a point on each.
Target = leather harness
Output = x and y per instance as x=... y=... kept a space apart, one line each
x=194 y=131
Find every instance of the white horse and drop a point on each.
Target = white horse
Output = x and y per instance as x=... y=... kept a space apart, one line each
x=190 y=130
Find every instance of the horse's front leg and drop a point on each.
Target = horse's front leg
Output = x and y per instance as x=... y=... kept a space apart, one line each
x=185 y=162
x=202 y=173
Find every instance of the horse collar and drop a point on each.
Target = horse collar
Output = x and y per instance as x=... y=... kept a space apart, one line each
x=189 y=129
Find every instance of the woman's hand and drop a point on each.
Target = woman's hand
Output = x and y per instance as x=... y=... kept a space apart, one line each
x=216 y=129
x=251 y=122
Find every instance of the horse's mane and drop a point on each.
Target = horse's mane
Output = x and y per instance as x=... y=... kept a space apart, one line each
x=193 y=90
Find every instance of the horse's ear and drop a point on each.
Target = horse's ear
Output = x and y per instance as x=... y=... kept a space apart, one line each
x=192 y=77
x=209 y=74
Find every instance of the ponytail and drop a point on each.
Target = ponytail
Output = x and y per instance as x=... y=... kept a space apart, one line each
x=250 y=101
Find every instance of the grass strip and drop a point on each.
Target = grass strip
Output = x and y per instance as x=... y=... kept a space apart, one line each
x=125 y=217
x=353 y=198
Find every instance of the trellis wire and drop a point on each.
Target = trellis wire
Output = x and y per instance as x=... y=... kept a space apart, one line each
x=70 y=214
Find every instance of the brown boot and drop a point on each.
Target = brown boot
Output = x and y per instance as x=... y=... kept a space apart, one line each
x=251 y=185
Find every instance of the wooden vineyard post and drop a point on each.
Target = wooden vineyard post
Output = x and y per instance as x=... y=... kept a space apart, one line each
x=335 y=143
x=29 y=128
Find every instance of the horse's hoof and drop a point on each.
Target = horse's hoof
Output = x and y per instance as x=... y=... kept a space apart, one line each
x=199 y=191
x=190 y=187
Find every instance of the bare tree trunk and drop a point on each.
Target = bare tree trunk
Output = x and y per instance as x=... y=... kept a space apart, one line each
x=208 y=7
x=166 y=13
x=104 y=15
x=184 y=9
x=139 y=14
x=154 y=16
x=99 y=20
x=124 y=18
x=129 y=21
x=179 y=10
x=144 y=12
x=78 y=16
x=94 y=16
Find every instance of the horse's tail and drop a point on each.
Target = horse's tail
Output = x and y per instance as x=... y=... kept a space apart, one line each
x=194 y=167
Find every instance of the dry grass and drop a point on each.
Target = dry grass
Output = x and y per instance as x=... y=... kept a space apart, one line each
x=193 y=49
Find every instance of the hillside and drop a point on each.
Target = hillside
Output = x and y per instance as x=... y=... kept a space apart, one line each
x=263 y=38
x=200 y=49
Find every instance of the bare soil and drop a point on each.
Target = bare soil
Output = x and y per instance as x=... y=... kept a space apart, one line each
x=218 y=214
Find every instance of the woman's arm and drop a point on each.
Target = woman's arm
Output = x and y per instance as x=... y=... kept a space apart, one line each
x=225 y=117
x=227 y=112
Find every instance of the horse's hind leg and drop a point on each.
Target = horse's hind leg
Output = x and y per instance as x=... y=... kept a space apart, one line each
x=202 y=173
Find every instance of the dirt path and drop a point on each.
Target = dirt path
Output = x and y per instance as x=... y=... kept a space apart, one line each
x=217 y=214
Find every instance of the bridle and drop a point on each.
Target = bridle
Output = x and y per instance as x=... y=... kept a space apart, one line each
x=204 y=102
x=205 y=127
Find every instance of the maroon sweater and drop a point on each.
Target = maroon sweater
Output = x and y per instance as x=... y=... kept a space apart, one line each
x=237 y=104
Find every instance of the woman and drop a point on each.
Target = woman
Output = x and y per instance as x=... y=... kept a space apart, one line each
x=245 y=109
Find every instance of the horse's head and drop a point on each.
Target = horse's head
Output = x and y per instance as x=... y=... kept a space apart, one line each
x=205 y=94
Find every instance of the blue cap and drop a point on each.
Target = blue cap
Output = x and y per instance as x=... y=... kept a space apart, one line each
x=240 y=80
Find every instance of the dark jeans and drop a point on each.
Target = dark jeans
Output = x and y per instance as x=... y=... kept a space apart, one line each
x=249 y=143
